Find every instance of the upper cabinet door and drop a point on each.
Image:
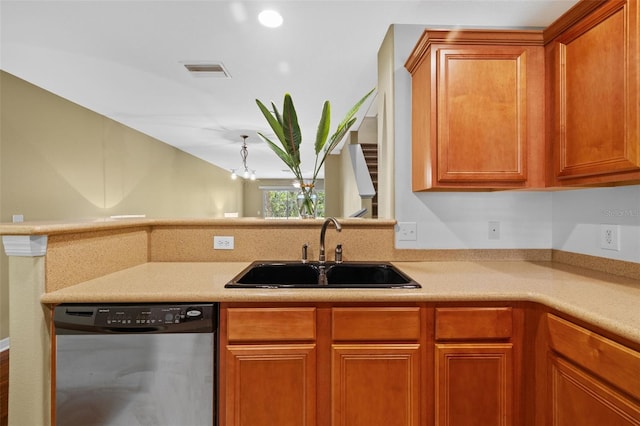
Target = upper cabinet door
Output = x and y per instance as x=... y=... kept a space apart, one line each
x=477 y=110
x=593 y=74
x=482 y=110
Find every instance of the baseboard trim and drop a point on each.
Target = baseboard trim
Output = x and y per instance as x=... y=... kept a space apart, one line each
x=4 y=344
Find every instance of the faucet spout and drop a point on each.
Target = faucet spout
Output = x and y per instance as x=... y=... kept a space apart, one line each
x=323 y=231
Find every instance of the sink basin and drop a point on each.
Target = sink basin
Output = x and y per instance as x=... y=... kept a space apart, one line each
x=276 y=274
x=263 y=274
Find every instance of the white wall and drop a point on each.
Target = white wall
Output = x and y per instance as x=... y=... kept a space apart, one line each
x=578 y=215
x=564 y=220
x=457 y=219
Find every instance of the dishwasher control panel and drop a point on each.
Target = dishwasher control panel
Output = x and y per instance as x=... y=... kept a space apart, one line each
x=143 y=318
x=132 y=316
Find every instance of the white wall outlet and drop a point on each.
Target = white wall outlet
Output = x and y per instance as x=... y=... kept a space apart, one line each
x=407 y=231
x=17 y=218
x=222 y=243
x=610 y=237
x=494 y=230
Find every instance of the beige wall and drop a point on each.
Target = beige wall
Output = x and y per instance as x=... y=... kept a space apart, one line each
x=333 y=185
x=340 y=183
x=253 y=197
x=61 y=161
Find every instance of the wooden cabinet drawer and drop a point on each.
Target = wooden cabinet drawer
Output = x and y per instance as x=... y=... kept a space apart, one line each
x=271 y=324
x=473 y=323
x=383 y=324
x=612 y=361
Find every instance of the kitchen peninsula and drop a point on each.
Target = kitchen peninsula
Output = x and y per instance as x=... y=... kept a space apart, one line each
x=151 y=260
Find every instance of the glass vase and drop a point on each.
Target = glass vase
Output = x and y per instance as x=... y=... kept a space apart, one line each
x=307 y=200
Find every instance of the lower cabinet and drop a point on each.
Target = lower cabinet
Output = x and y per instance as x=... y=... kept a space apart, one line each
x=422 y=364
x=474 y=384
x=347 y=366
x=376 y=384
x=376 y=364
x=271 y=384
x=268 y=366
x=579 y=398
x=592 y=381
x=474 y=367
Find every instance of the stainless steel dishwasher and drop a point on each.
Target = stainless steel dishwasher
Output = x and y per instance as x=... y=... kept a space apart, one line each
x=136 y=364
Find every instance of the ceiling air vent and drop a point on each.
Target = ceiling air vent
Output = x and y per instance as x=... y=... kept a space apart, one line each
x=212 y=70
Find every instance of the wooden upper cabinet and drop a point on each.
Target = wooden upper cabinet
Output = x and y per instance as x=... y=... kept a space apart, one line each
x=477 y=110
x=592 y=71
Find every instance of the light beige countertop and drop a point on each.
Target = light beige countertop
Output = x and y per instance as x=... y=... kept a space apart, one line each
x=607 y=301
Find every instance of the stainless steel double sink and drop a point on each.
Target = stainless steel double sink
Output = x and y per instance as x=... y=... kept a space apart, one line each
x=296 y=274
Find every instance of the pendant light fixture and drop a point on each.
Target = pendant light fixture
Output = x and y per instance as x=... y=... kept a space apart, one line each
x=244 y=153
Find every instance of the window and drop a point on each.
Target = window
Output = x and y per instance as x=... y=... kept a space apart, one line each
x=281 y=203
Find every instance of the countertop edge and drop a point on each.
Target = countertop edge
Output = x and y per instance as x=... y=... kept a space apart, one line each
x=99 y=224
x=616 y=327
x=607 y=302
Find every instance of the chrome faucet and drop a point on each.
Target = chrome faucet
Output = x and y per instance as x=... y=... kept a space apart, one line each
x=324 y=231
x=322 y=277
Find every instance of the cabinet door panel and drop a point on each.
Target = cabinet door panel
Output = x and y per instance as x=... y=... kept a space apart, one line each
x=482 y=114
x=577 y=398
x=612 y=361
x=474 y=384
x=376 y=385
x=595 y=134
x=477 y=110
x=271 y=385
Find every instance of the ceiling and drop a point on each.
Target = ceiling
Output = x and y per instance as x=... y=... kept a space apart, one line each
x=125 y=60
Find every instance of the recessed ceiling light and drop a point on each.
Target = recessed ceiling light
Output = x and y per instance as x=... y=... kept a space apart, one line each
x=270 y=18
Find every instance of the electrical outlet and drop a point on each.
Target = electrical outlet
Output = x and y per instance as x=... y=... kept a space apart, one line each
x=222 y=243
x=494 y=230
x=610 y=237
x=407 y=231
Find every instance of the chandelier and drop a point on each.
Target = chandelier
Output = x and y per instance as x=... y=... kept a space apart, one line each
x=244 y=153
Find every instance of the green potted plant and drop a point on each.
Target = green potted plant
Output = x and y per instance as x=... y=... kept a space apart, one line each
x=285 y=127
